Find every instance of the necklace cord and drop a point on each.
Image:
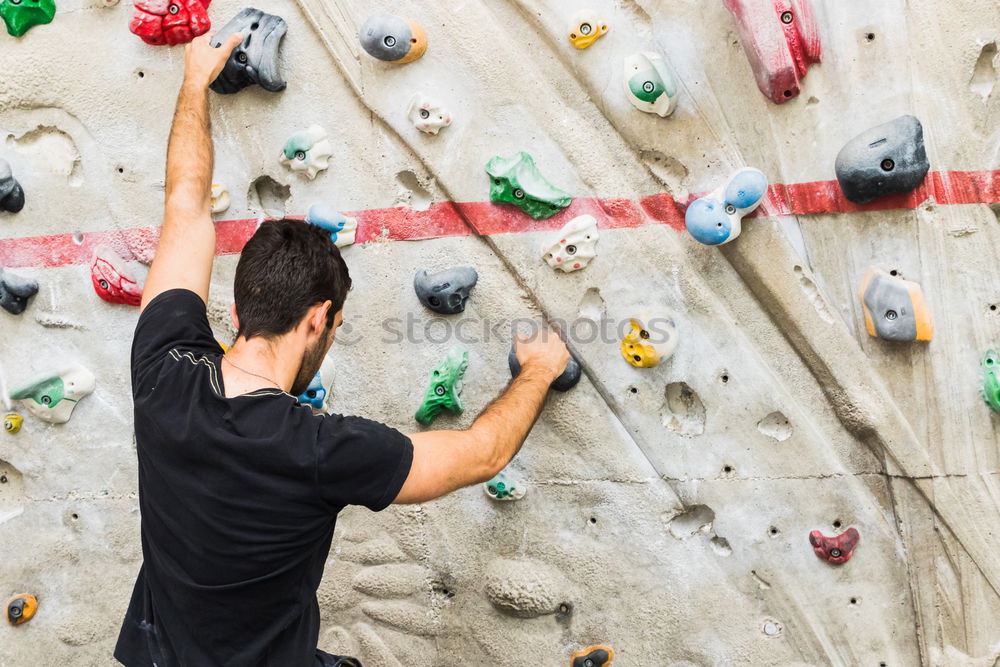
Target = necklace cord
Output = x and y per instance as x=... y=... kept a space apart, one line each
x=262 y=377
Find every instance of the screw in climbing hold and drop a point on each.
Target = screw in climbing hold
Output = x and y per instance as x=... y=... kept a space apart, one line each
x=12 y=423
x=255 y=59
x=307 y=151
x=990 y=390
x=649 y=83
x=21 y=608
x=427 y=115
x=445 y=292
x=717 y=218
x=113 y=280
x=835 y=550
x=886 y=159
x=52 y=396
x=503 y=487
x=593 y=656
x=780 y=45
x=444 y=389
x=315 y=394
x=393 y=39
x=585 y=28
x=904 y=312
x=575 y=245
x=151 y=23
x=516 y=180
x=649 y=341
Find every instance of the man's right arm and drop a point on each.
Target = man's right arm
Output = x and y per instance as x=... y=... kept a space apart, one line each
x=445 y=461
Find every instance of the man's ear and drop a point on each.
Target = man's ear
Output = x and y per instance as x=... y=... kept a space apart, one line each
x=232 y=314
x=319 y=316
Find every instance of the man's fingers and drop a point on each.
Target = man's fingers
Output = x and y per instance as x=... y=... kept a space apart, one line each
x=233 y=40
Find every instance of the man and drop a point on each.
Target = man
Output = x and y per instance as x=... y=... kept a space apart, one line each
x=239 y=485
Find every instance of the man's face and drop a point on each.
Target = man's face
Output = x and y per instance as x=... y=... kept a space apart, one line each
x=313 y=357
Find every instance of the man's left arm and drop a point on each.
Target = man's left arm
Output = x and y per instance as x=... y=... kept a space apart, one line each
x=186 y=247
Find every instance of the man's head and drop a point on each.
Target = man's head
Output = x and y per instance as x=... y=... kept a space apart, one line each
x=291 y=279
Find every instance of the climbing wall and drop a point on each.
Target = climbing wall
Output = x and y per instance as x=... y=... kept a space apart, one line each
x=668 y=509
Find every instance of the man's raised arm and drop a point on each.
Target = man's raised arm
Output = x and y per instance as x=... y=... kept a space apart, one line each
x=187 y=239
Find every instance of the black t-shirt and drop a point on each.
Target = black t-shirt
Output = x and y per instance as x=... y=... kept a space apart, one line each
x=239 y=497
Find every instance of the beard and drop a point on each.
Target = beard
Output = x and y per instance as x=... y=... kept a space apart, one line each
x=311 y=361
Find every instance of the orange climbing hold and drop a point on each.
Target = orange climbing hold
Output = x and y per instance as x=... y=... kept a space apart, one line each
x=593 y=656
x=21 y=608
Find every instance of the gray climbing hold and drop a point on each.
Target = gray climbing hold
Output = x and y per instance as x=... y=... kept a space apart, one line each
x=392 y=39
x=11 y=193
x=255 y=59
x=447 y=291
x=887 y=159
x=15 y=292
x=564 y=382
x=895 y=309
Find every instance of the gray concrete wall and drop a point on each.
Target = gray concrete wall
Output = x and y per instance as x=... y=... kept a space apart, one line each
x=671 y=526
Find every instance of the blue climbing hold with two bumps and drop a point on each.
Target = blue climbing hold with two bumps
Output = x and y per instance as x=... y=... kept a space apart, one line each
x=717 y=218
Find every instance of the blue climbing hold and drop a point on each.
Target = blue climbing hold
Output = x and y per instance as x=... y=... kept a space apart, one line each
x=717 y=218
x=342 y=229
x=314 y=395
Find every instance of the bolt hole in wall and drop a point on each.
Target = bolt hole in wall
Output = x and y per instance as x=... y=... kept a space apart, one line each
x=836 y=523
x=870 y=37
x=724 y=378
x=593 y=519
x=78 y=238
x=773 y=531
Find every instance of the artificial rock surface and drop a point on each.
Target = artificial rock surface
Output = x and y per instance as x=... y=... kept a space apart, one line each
x=669 y=507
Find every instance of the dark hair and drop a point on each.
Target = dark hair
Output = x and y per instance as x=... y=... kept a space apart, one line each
x=285 y=268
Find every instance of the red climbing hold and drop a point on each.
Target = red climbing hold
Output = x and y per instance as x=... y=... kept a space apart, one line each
x=159 y=22
x=837 y=550
x=113 y=281
x=781 y=39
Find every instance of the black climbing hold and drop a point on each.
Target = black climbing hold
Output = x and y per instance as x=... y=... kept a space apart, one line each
x=593 y=656
x=15 y=292
x=11 y=193
x=447 y=291
x=887 y=159
x=255 y=59
x=564 y=382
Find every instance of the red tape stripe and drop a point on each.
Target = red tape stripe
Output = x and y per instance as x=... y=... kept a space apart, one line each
x=449 y=218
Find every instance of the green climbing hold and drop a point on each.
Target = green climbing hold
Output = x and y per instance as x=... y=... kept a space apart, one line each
x=503 y=487
x=991 y=379
x=22 y=15
x=516 y=181
x=444 y=392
